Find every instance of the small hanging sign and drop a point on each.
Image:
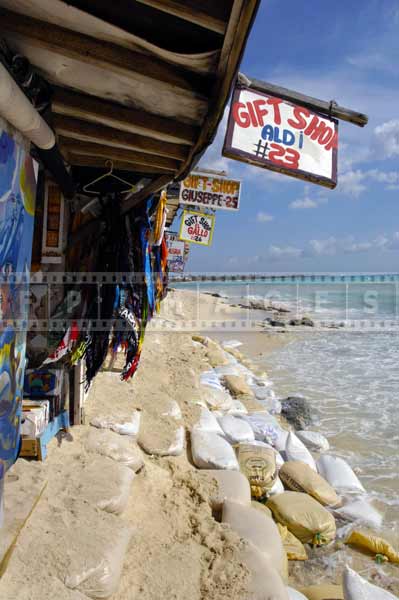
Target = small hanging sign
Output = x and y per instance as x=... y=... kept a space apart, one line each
x=200 y=189
x=282 y=136
x=177 y=252
x=196 y=228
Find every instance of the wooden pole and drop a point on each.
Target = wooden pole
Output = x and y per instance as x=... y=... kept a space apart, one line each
x=331 y=109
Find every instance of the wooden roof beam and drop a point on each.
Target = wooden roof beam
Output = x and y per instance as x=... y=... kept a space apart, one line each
x=152 y=188
x=210 y=14
x=160 y=163
x=83 y=106
x=102 y=54
x=97 y=162
x=85 y=131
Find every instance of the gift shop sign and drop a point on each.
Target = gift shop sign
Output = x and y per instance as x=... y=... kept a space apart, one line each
x=196 y=228
x=279 y=135
x=203 y=190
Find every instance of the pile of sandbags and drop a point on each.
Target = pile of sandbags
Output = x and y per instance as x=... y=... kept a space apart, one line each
x=339 y=474
x=258 y=463
x=210 y=451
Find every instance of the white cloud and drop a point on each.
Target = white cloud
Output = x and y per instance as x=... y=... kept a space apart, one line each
x=278 y=252
x=263 y=217
x=303 y=203
x=387 y=136
x=351 y=183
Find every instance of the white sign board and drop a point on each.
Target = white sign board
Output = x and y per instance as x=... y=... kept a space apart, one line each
x=197 y=228
x=200 y=189
x=275 y=134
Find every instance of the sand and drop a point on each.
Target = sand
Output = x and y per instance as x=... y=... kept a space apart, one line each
x=176 y=549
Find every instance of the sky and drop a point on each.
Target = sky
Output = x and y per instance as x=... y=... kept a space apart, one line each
x=347 y=51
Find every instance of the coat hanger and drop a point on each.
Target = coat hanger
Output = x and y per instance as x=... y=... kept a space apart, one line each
x=110 y=173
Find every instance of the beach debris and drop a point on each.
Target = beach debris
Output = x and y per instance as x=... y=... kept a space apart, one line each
x=237 y=385
x=296 y=450
x=313 y=440
x=325 y=591
x=265 y=581
x=210 y=451
x=293 y=547
x=231 y=485
x=236 y=430
x=306 y=518
x=300 y=477
x=120 y=449
x=295 y=595
x=360 y=511
x=258 y=464
x=357 y=588
x=380 y=548
x=259 y=530
x=339 y=474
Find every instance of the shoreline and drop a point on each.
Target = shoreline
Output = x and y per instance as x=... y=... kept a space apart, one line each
x=165 y=501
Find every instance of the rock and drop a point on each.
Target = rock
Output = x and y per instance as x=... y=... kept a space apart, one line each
x=295 y=322
x=276 y=323
x=307 y=322
x=297 y=411
x=237 y=385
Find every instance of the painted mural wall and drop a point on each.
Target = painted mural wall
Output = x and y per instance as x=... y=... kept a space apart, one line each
x=18 y=178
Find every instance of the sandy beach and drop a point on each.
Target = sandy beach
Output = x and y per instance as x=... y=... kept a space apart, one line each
x=123 y=514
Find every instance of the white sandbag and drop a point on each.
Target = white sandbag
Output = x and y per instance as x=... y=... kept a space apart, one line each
x=177 y=446
x=97 y=574
x=236 y=430
x=357 y=588
x=295 y=595
x=237 y=408
x=208 y=422
x=130 y=427
x=231 y=485
x=258 y=529
x=313 y=440
x=360 y=511
x=102 y=483
x=277 y=488
x=217 y=399
x=339 y=474
x=120 y=449
x=231 y=344
x=173 y=411
x=267 y=429
x=210 y=379
x=210 y=451
x=265 y=583
x=296 y=450
x=227 y=370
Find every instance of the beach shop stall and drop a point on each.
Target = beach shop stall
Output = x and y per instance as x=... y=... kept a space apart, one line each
x=102 y=106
